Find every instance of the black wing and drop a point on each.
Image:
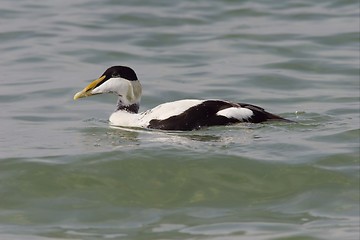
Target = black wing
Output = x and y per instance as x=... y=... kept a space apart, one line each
x=205 y=115
x=202 y=115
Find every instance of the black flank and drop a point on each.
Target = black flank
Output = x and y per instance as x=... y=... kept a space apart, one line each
x=202 y=115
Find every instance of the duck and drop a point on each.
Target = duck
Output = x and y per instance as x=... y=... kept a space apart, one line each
x=180 y=115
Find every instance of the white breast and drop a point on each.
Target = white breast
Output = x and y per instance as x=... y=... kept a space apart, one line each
x=125 y=119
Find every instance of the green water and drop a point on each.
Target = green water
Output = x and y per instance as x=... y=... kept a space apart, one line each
x=65 y=174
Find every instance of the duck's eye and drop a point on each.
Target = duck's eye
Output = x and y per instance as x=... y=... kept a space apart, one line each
x=115 y=75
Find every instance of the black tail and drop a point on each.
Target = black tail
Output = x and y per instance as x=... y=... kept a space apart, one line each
x=260 y=115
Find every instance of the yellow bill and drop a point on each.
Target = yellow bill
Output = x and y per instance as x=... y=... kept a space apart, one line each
x=87 y=90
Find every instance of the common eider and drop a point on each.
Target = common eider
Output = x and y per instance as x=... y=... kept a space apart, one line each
x=183 y=115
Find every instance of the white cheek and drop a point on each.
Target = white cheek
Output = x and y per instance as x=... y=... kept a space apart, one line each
x=113 y=85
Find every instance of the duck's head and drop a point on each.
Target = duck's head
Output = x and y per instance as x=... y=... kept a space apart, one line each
x=120 y=80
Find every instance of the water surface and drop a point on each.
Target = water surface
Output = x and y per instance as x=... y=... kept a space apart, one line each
x=65 y=174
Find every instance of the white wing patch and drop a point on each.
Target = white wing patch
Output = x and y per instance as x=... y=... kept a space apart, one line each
x=239 y=113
